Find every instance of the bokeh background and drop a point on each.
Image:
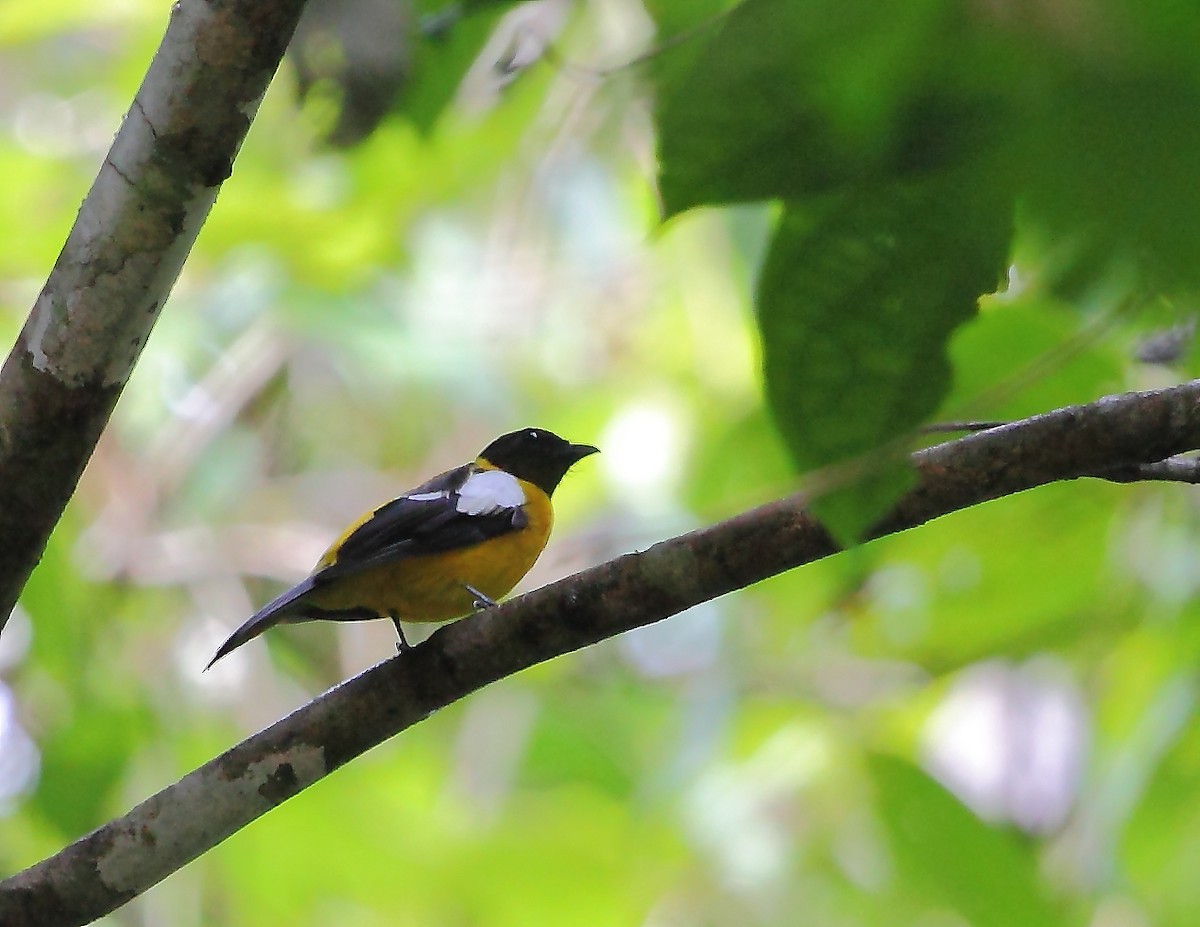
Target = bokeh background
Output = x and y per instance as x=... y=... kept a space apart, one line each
x=989 y=720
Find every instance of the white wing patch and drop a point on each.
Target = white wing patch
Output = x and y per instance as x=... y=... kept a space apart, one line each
x=488 y=491
x=428 y=496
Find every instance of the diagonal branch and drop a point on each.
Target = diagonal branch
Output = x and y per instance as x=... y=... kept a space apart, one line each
x=153 y=192
x=126 y=856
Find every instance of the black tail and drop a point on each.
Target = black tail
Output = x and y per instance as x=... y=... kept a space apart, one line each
x=271 y=614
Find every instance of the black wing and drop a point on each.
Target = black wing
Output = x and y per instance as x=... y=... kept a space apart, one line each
x=425 y=520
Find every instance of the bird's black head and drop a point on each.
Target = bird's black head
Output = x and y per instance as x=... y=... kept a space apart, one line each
x=538 y=456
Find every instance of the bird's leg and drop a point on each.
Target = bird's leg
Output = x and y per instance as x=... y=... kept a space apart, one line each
x=402 y=644
x=481 y=600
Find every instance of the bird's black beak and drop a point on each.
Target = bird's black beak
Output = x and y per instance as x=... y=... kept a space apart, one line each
x=577 y=452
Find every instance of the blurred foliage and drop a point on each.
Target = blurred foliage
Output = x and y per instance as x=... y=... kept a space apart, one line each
x=842 y=112
x=989 y=720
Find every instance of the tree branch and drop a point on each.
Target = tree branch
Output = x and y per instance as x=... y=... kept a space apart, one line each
x=1171 y=470
x=126 y=856
x=154 y=190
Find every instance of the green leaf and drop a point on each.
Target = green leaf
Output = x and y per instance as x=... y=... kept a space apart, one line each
x=1111 y=169
x=791 y=98
x=980 y=871
x=449 y=39
x=673 y=18
x=858 y=297
x=684 y=30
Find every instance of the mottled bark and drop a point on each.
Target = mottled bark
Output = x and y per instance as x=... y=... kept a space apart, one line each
x=154 y=190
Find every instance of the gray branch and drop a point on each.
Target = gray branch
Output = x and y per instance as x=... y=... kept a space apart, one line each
x=154 y=190
x=1171 y=470
x=128 y=855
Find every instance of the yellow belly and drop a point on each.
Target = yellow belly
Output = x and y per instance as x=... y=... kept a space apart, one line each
x=433 y=587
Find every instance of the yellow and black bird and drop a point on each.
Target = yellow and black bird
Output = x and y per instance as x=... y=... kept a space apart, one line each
x=457 y=542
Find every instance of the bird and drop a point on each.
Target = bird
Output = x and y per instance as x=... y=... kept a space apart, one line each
x=456 y=543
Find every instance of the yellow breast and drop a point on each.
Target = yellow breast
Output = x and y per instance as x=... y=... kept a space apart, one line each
x=433 y=587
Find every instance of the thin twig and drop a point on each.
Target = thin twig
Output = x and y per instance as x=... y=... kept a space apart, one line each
x=567 y=66
x=949 y=427
x=1171 y=470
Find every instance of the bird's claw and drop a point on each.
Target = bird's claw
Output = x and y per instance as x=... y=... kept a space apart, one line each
x=402 y=644
x=480 y=601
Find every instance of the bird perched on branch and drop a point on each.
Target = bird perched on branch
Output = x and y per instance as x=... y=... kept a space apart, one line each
x=457 y=542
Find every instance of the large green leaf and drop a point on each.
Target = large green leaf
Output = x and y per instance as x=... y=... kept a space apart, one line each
x=684 y=29
x=1111 y=168
x=858 y=296
x=793 y=98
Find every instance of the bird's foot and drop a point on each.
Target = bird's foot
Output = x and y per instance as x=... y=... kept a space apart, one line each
x=402 y=644
x=481 y=601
